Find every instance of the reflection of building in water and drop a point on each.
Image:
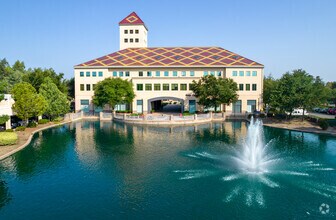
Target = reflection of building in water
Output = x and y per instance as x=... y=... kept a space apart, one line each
x=85 y=144
x=236 y=129
x=131 y=153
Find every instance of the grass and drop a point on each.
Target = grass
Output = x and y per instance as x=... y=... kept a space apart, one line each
x=8 y=138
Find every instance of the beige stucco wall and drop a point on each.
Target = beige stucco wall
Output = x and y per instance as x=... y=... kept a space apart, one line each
x=142 y=36
x=6 y=105
x=185 y=95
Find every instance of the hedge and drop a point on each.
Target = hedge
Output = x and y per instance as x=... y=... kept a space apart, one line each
x=20 y=128
x=43 y=121
x=8 y=138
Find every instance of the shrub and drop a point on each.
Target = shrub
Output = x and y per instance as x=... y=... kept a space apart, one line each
x=9 y=130
x=124 y=111
x=58 y=119
x=43 y=121
x=20 y=128
x=8 y=138
x=323 y=124
x=32 y=124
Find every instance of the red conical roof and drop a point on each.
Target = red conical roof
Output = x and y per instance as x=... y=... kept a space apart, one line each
x=132 y=18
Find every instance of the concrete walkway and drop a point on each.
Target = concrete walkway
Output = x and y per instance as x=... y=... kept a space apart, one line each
x=298 y=125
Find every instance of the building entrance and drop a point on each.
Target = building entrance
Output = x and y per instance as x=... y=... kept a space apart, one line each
x=166 y=104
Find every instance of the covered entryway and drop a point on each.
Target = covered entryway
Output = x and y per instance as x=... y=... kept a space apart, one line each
x=166 y=104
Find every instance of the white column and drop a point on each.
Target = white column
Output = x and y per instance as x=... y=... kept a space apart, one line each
x=8 y=124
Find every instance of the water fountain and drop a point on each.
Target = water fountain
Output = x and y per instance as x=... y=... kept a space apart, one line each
x=254 y=164
x=253 y=158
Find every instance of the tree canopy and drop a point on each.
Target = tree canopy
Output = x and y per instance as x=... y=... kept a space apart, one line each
x=113 y=91
x=37 y=76
x=3 y=119
x=293 y=90
x=212 y=91
x=57 y=102
x=27 y=102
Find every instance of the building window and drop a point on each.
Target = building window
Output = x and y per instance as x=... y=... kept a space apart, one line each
x=115 y=74
x=183 y=87
x=157 y=73
x=94 y=74
x=254 y=87
x=241 y=87
x=93 y=86
x=192 y=73
x=191 y=86
x=254 y=73
x=127 y=73
x=237 y=107
x=205 y=73
x=174 y=73
x=157 y=87
x=219 y=73
x=241 y=73
x=136 y=40
x=87 y=74
x=251 y=105
x=140 y=73
x=131 y=31
x=84 y=102
x=166 y=73
x=126 y=40
x=131 y=40
x=165 y=87
x=100 y=74
x=121 y=74
x=234 y=73
x=174 y=87
x=212 y=73
x=88 y=87
x=139 y=87
x=183 y=73
x=81 y=87
x=149 y=73
x=81 y=74
x=247 y=87
x=148 y=87
x=137 y=31
x=126 y=31
x=248 y=73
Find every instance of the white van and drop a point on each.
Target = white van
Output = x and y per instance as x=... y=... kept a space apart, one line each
x=298 y=111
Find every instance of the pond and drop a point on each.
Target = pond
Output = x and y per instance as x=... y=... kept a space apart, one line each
x=106 y=170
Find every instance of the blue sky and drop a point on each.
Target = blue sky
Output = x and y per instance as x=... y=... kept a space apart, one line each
x=282 y=35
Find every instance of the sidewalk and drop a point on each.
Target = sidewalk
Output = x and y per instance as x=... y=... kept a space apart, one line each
x=298 y=125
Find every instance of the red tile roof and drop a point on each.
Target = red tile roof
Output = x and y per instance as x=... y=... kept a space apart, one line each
x=171 y=57
x=132 y=19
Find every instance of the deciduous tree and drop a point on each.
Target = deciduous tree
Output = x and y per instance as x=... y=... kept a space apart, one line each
x=212 y=91
x=57 y=102
x=27 y=102
x=113 y=91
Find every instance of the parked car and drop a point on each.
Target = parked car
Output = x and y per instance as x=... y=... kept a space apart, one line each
x=14 y=125
x=316 y=109
x=331 y=111
x=323 y=110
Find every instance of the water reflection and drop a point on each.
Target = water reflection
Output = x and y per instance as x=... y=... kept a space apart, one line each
x=5 y=197
x=45 y=152
x=114 y=170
